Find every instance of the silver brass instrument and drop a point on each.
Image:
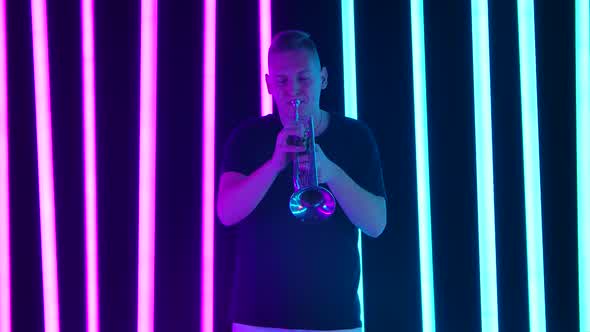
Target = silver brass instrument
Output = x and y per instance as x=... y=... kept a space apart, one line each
x=310 y=202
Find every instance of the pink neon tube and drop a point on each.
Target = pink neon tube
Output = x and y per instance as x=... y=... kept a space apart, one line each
x=208 y=167
x=147 y=166
x=265 y=36
x=45 y=166
x=5 y=320
x=92 y=319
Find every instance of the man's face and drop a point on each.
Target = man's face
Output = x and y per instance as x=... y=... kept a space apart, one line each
x=295 y=75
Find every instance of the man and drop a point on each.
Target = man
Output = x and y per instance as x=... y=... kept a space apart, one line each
x=293 y=275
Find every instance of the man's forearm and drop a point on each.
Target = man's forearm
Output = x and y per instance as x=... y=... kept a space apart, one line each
x=364 y=209
x=238 y=200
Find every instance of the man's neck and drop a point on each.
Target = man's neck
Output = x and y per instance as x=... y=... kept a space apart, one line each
x=321 y=122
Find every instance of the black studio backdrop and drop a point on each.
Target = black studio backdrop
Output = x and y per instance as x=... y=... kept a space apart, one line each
x=385 y=103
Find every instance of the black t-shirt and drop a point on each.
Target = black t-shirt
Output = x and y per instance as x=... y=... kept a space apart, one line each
x=290 y=274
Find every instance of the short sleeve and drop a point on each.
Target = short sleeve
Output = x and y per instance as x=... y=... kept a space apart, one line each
x=235 y=156
x=372 y=179
x=249 y=145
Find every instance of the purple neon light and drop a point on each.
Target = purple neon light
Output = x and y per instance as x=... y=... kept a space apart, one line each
x=45 y=166
x=208 y=167
x=92 y=320
x=147 y=166
x=265 y=37
x=5 y=322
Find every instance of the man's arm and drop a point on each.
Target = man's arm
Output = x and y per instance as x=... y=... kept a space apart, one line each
x=364 y=209
x=239 y=194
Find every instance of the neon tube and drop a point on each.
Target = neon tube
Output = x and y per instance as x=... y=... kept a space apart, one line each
x=208 y=194
x=92 y=317
x=45 y=166
x=5 y=310
x=265 y=36
x=147 y=166
x=532 y=182
x=350 y=106
x=422 y=166
x=583 y=160
x=485 y=166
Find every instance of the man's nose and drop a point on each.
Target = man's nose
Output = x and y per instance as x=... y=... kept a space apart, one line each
x=293 y=88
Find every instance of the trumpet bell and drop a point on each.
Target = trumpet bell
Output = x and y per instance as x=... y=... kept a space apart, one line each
x=313 y=203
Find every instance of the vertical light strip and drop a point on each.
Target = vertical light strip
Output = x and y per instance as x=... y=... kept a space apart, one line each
x=92 y=318
x=349 y=58
x=350 y=105
x=147 y=165
x=484 y=165
x=583 y=149
x=422 y=166
x=265 y=37
x=208 y=189
x=45 y=166
x=532 y=181
x=5 y=319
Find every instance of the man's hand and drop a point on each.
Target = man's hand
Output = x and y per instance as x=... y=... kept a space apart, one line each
x=327 y=169
x=284 y=152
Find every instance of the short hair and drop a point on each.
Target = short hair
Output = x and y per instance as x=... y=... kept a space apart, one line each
x=292 y=40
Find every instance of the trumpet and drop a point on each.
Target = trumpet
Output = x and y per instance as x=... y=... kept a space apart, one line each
x=309 y=202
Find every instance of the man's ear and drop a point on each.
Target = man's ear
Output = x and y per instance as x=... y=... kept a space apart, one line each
x=268 y=84
x=324 y=77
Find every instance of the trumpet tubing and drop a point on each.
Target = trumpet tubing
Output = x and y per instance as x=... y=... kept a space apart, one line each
x=310 y=202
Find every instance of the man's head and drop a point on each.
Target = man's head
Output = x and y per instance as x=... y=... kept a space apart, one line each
x=295 y=72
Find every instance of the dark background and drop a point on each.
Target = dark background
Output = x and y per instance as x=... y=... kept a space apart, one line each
x=385 y=103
